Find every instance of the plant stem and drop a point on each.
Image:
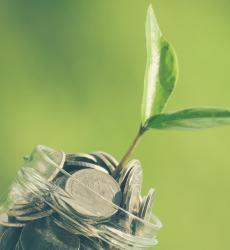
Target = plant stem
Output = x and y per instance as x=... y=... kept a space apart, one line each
x=132 y=147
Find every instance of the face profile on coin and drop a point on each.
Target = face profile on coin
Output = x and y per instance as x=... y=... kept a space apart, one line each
x=93 y=194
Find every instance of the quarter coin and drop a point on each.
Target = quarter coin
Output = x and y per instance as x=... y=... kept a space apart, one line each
x=93 y=193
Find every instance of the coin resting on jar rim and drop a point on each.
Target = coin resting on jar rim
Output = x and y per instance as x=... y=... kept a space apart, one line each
x=93 y=193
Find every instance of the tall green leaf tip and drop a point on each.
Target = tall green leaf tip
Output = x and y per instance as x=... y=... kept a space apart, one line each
x=190 y=119
x=161 y=69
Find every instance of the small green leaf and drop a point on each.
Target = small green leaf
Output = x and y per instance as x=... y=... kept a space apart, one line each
x=190 y=119
x=161 y=69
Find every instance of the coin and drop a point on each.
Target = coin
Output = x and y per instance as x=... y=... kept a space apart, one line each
x=93 y=194
x=60 y=181
x=46 y=161
x=67 y=217
x=143 y=201
x=20 y=212
x=80 y=157
x=132 y=188
x=83 y=204
x=30 y=211
x=78 y=165
x=33 y=216
x=32 y=208
x=79 y=161
x=104 y=162
x=123 y=175
x=35 y=206
x=19 y=207
x=57 y=200
x=7 y=221
x=146 y=205
x=110 y=158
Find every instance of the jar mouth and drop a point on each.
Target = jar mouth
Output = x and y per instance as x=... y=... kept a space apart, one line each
x=123 y=230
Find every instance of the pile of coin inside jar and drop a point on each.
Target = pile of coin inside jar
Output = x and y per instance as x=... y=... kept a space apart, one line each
x=77 y=201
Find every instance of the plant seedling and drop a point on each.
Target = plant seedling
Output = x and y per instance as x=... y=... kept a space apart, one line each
x=160 y=79
x=79 y=214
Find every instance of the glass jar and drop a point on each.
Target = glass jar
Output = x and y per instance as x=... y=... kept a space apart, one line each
x=36 y=196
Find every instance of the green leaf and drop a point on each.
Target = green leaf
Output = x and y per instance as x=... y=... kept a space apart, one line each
x=190 y=119
x=161 y=69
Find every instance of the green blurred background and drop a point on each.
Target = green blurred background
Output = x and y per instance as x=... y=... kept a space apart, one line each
x=71 y=77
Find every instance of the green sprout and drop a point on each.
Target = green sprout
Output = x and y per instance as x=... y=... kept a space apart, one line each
x=160 y=79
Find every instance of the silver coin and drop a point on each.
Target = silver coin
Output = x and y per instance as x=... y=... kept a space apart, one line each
x=110 y=158
x=68 y=216
x=20 y=212
x=19 y=208
x=6 y=221
x=32 y=205
x=19 y=196
x=146 y=205
x=123 y=175
x=136 y=207
x=93 y=194
x=46 y=161
x=80 y=157
x=60 y=181
x=57 y=200
x=20 y=202
x=28 y=211
x=33 y=216
x=104 y=162
x=132 y=188
x=143 y=201
x=78 y=165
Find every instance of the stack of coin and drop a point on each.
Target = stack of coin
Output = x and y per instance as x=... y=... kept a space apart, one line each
x=80 y=203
